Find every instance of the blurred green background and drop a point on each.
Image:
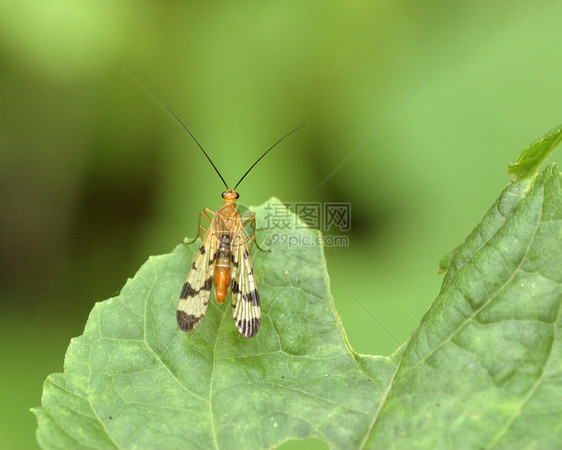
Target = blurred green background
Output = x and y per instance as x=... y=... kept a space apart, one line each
x=95 y=177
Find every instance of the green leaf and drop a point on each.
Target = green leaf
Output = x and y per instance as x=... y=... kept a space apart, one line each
x=534 y=155
x=446 y=261
x=482 y=370
x=133 y=379
x=484 y=367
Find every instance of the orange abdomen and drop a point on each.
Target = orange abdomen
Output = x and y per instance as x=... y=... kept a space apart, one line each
x=221 y=279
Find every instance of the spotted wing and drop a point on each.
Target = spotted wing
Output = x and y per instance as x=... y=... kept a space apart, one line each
x=246 y=309
x=194 y=297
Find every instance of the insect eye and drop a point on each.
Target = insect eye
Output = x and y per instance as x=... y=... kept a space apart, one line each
x=222 y=195
x=237 y=195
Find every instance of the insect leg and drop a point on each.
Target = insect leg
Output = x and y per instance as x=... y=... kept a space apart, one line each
x=251 y=240
x=201 y=230
x=250 y=219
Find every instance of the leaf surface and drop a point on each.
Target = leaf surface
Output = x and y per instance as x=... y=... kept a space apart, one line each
x=133 y=379
x=482 y=370
x=535 y=154
x=484 y=367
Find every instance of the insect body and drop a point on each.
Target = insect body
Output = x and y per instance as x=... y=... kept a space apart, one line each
x=223 y=260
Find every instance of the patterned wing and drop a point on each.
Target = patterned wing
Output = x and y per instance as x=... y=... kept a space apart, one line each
x=246 y=309
x=194 y=297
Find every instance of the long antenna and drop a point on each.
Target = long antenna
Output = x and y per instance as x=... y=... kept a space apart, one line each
x=172 y=114
x=178 y=120
x=197 y=142
x=268 y=150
